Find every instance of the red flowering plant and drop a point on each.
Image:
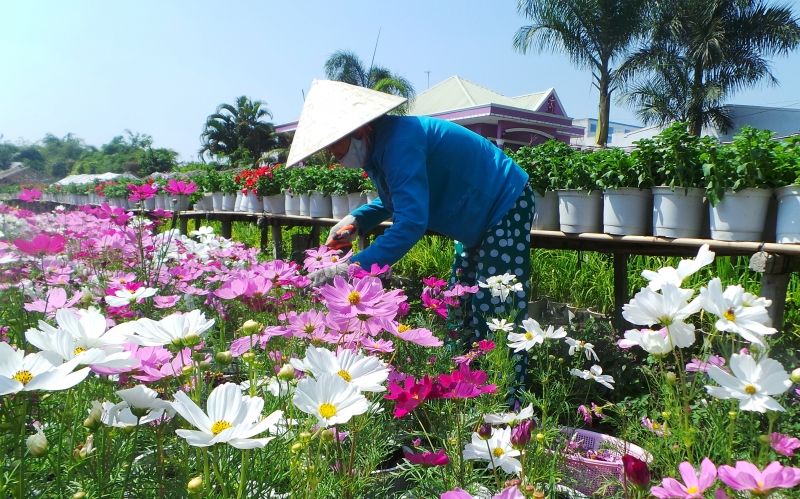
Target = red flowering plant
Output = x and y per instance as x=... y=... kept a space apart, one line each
x=270 y=180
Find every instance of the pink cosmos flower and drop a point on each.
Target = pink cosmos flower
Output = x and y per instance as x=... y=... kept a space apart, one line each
x=434 y=282
x=245 y=343
x=586 y=414
x=783 y=444
x=653 y=426
x=323 y=257
x=363 y=296
x=486 y=346
x=464 y=383
x=179 y=187
x=409 y=395
x=697 y=365
x=42 y=244
x=375 y=270
x=425 y=458
x=29 y=195
x=141 y=192
x=747 y=477
x=459 y=289
x=512 y=492
x=421 y=336
x=694 y=483
x=377 y=346
x=56 y=299
x=166 y=301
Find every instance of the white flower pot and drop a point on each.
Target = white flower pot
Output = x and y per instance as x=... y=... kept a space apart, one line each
x=372 y=196
x=240 y=200
x=160 y=202
x=150 y=203
x=208 y=200
x=216 y=201
x=787 y=229
x=677 y=213
x=254 y=203
x=580 y=211
x=626 y=211
x=340 y=206
x=181 y=203
x=355 y=200
x=291 y=204
x=740 y=216
x=319 y=205
x=305 y=204
x=275 y=204
x=545 y=211
x=228 y=201
x=200 y=205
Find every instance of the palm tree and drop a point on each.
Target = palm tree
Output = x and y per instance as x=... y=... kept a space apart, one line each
x=702 y=51
x=238 y=132
x=595 y=34
x=345 y=66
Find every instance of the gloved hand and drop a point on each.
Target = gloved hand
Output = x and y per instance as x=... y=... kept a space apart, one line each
x=343 y=234
x=326 y=275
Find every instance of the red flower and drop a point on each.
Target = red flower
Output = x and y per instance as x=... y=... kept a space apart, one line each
x=438 y=458
x=410 y=395
x=636 y=470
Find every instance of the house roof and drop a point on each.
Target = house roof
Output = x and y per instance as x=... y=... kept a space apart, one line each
x=457 y=93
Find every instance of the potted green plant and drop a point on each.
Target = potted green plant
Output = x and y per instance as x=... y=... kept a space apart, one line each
x=301 y=183
x=229 y=189
x=542 y=164
x=787 y=227
x=580 y=203
x=678 y=187
x=344 y=182
x=739 y=181
x=117 y=193
x=368 y=188
x=626 y=192
x=270 y=187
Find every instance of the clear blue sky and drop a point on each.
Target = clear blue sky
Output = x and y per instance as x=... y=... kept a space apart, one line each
x=96 y=68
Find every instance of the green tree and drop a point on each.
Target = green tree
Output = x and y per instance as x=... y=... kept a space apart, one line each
x=7 y=153
x=594 y=34
x=239 y=132
x=345 y=66
x=157 y=160
x=701 y=52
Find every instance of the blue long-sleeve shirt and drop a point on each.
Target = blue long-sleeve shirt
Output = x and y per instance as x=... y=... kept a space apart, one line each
x=433 y=175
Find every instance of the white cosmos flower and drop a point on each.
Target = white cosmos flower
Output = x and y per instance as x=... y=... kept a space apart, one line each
x=752 y=382
x=533 y=335
x=365 y=372
x=175 y=328
x=510 y=418
x=670 y=275
x=122 y=297
x=232 y=418
x=82 y=334
x=655 y=342
x=497 y=450
x=581 y=346
x=737 y=311
x=669 y=308
x=502 y=285
x=594 y=373
x=500 y=325
x=20 y=372
x=330 y=399
x=139 y=405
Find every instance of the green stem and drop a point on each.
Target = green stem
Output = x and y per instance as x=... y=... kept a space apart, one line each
x=130 y=461
x=21 y=446
x=243 y=474
x=218 y=476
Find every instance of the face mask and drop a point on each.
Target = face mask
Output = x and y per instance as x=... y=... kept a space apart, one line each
x=356 y=156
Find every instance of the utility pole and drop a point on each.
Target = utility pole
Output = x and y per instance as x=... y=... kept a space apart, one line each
x=428 y=72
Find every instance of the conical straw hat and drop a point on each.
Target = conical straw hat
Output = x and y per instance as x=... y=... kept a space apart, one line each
x=331 y=111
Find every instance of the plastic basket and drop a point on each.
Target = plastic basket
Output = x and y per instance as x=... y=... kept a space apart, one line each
x=591 y=475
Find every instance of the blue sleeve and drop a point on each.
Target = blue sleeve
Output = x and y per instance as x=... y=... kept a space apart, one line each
x=368 y=216
x=405 y=166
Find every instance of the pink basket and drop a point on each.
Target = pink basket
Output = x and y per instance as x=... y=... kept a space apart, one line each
x=590 y=475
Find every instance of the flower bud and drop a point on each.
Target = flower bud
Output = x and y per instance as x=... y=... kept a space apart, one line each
x=296 y=447
x=204 y=364
x=540 y=437
x=327 y=435
x=37 y=443
x=286 y=373
x=636 y=470
x=191 y=340
x=666 y=414
x=795 y=376
x=223 y=358
x=670 y=377
x=195 y=485
x=521 y=434
x=248 y=357
x=305 y=436
x=177 y=343
x=187 y=370
x=485 y=431
x=731 y=415
x=763 y=439
x=79 y=495
x=250 y=327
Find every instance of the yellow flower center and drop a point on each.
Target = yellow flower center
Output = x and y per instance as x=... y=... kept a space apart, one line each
x=220 y=426
x=78 y=350
x=23 y=377
x=345 y=375
x=309 y=328
x=498 y=452
x=354 y=297
x=750 y=389
x=327 y=410
x=402 y=328
x=334 y=259
x=692 y=490
x=656 y=426
x=529 y=336
x=729 y=315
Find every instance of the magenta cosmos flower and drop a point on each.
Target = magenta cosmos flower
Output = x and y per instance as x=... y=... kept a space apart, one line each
x=42 y=244
x=29 y=195
x=694 y=482
x=783 y=444
x=179 y=187
x=141 y=192
x=425 y=458
x=747 y=477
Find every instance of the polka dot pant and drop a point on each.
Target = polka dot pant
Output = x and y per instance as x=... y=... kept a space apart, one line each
x=505 y=248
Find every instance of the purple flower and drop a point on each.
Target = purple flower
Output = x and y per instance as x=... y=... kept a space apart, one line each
x=29 y=195
x=141 y=192
x=783 y=444
x=694 y=483
x=697 y=365
x=521 y=434
x=586 y=413
x=747 y=477
x=437 y=458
